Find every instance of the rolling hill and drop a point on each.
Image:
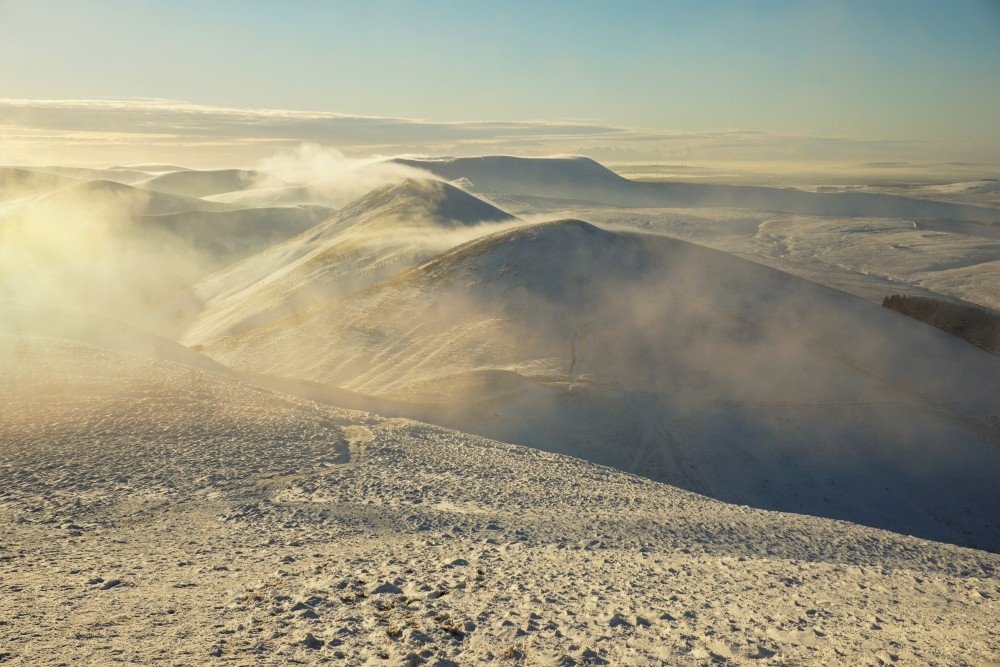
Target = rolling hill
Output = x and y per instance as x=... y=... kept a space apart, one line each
x=202 y=183
x=674 y=361
x=388 y=230
x=126 y=200
x=173 y=512
x=584 y=180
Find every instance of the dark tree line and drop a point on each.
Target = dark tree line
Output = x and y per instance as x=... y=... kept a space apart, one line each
x=977 y=325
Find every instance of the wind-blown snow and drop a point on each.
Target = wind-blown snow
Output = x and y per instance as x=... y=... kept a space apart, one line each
x=676 y=362
x=191 y=183
x=388 y=230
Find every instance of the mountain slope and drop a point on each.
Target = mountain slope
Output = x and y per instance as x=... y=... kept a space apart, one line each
x=128 y=199
x=390 y=229
x=674 y=361
x=141 y=491
x=196 y=183
x=124 y=248
x=225 y=237
x=584 y=180
x=18 y=183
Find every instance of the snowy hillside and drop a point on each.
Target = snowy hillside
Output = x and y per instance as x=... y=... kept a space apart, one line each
x=193 y=517
x=676 y=362
x=389 y=230
x=194 y=183
x=208 y=493
x=583 y=180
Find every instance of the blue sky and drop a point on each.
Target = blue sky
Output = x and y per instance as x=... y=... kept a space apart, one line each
x=910 y=71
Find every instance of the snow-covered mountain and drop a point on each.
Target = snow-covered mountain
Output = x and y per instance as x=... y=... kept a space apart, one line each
x=581 y=179
x=262 y=481
x=681 y=363
x=197 y=183
x=389 y=230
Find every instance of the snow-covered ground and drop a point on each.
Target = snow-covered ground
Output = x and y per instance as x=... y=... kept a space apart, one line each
x=184 y=489
x=157 y=512
x=868 y=257
x=981 y=192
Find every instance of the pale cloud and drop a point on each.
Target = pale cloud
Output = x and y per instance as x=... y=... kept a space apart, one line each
x=104 y=132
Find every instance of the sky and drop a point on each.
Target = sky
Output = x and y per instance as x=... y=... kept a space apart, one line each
x=865 y=82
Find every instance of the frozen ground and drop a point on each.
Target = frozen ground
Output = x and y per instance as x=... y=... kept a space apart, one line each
x=158 y=513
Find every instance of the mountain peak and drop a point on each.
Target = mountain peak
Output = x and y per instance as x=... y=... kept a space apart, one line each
x=190 y=183
x=423 y=201
x=524 y=175
x=554 y=257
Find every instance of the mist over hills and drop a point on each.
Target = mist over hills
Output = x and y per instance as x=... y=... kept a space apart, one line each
x=638 y=351
x=128 y=175
x=674 y=361
x=386 y=231
x=17 y=183
x=122 y=247
x=224 y=237
x=279 y=195
x=133 y=199
x=23 y=188
x=191 y=183
x=416 y=427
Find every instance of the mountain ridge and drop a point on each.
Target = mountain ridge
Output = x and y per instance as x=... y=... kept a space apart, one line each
x=385 y=231
x=672 y=361
x=584 y=179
